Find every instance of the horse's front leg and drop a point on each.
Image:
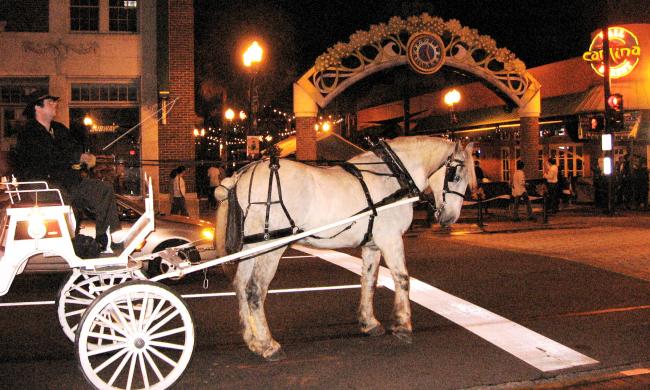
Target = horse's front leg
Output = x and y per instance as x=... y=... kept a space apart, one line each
x=367 y=321
x=393 y=251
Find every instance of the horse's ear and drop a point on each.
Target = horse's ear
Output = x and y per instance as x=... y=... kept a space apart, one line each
x=459 y=147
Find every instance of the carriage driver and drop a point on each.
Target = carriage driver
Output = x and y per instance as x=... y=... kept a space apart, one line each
x=47 y=150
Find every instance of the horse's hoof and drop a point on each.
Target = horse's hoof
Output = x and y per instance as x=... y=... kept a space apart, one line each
x=275 y=356
x=375 y=331
x=403 y=335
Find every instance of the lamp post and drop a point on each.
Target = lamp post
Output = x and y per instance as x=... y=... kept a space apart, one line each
x=452 y=97
x=229 y=115
x=252 y=59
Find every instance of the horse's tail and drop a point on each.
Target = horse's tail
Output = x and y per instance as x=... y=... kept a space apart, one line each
x=225 y=194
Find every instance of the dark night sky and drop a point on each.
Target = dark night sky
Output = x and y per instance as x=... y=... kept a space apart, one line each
x=295 y=32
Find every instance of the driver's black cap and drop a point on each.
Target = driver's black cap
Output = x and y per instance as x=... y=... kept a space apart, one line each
x=30 y=111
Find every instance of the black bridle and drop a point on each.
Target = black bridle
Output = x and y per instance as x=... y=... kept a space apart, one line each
x=452 y=168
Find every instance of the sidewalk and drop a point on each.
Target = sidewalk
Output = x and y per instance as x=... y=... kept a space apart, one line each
x=619 y=243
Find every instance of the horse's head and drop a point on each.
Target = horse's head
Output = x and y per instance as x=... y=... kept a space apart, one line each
x=449 y=183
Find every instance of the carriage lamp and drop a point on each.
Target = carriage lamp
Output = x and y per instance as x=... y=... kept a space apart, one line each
x=36 y=227
x=207 y=233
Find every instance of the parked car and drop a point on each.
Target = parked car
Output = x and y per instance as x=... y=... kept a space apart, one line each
x=172 y=230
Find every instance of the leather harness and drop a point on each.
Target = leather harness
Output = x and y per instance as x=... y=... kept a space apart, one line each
x=397 y=170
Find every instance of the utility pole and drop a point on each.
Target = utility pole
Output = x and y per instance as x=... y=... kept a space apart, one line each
x=609 y=155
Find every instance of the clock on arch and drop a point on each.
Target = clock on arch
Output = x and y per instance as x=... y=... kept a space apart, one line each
x=425 y=52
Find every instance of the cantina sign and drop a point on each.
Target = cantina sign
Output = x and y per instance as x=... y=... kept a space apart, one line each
x=624 y=52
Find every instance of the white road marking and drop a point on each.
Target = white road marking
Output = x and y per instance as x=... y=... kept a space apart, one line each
x=278 y=291
x=32 y=303
x=527 y=345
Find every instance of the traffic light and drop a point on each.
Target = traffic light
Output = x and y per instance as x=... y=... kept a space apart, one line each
x=616 y=118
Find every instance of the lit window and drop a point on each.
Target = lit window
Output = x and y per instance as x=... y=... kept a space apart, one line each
x=84 y=15
x=123 y=16
x=104 y=93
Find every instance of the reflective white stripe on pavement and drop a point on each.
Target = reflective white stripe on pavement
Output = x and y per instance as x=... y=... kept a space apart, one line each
x=527 y=345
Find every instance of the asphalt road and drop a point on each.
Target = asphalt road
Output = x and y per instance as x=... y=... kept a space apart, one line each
x=597 y=314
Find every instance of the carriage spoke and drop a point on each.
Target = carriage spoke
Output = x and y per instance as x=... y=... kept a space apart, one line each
x=120 y=317
x=76 y=312
x=162 y=344
x=129 y=303
x=143 y=369
x=112 y=359
x=163 y=322
x=129 y=380
x=104 y=336
x=104 y=322
x=78 y=301
x=143 y=310
x=84 y=292
x=153 y=365
x=154 y=315
x=109 y=348
x=162 y=356
x=167 y=333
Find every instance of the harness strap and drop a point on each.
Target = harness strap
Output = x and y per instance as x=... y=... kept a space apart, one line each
x=354 y=171
x=274 y=166
x=388 y=156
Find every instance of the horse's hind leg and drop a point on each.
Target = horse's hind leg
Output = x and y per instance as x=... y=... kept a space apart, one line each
x=252 y=296
x=393 y=251
x=367 y=321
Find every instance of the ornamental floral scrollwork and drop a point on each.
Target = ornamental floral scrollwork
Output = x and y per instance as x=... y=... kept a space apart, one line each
x=385 y=44
x=59 y=48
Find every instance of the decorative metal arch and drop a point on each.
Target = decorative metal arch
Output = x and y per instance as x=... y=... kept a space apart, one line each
x=384 y=46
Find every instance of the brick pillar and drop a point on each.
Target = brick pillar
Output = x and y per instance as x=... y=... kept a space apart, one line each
x=306 y=147
x=175 y=139
x=529 y=136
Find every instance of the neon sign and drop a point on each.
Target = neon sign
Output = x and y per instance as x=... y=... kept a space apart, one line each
x=624 y=52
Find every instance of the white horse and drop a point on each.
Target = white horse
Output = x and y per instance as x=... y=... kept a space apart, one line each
x=316 y=196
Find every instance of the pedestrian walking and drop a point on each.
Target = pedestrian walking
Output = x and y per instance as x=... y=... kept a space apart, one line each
x=551 y=176
x=519 y=193
x=178 y=192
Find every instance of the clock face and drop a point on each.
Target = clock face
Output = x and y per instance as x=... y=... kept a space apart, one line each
x=425 y=52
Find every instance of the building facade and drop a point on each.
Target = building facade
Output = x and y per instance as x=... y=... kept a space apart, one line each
x=109 y=62
x=571 y=118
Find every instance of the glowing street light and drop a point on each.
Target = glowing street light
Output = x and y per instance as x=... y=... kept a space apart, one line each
x=230 y=115
x=252 y=59
x=326 y=127
x=452 y=97
x=253 y=55
x=88 y=121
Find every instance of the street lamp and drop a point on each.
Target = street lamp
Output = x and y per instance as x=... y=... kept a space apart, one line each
x=452 y=97
x=229 y=115
x=252 y=59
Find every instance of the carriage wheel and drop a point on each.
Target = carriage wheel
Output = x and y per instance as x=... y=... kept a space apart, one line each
x=79 y=291
x=136 y=335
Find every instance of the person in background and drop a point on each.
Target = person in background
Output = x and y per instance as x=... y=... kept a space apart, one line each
x=641 y=185
x=479 y=172
x=550 y=174
x=178 y=192
x=519 y=193
x=215 y=174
